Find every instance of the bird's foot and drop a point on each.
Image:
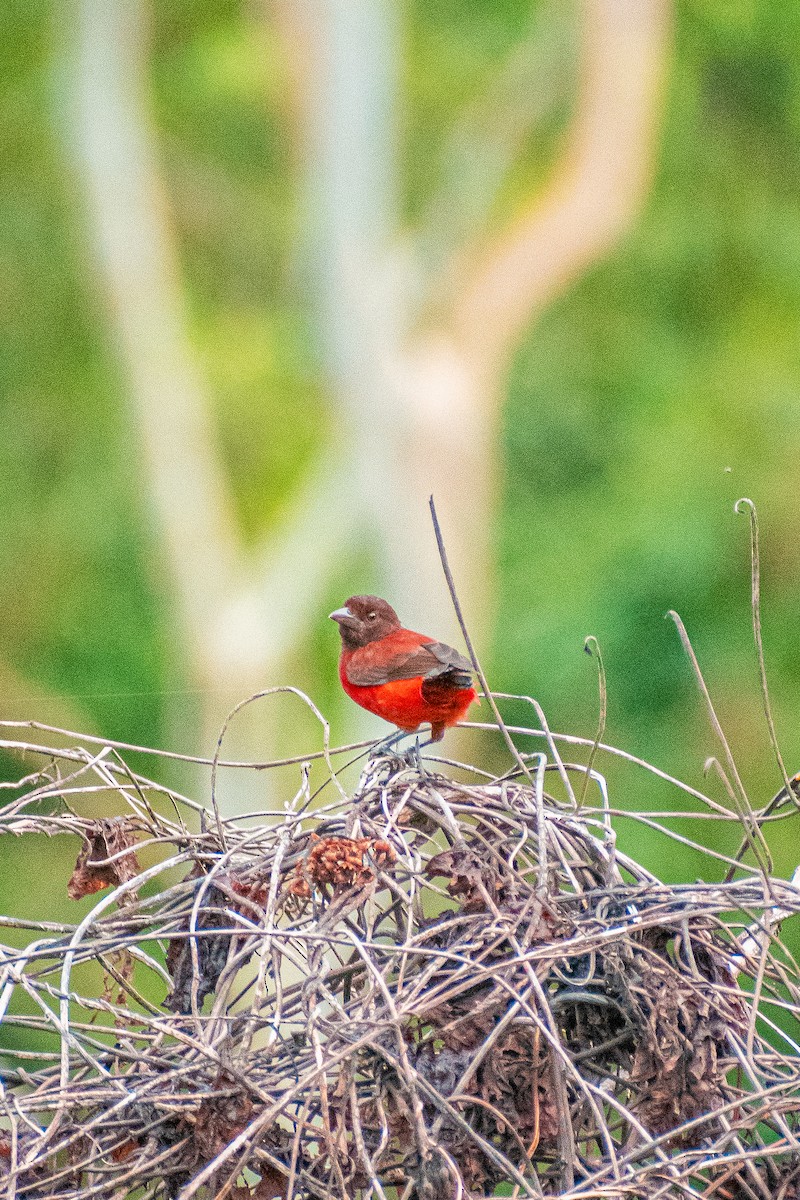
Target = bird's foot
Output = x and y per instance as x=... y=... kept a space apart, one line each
x=413 y=756
x=387 y=744
x=410 y=755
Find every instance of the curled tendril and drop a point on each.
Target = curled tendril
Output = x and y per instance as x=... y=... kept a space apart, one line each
x=736 y=790
x=592 y=647
x=745 y=505
x=273 y=691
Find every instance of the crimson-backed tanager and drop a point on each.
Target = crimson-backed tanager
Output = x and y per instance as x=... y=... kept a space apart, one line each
x=405 y=677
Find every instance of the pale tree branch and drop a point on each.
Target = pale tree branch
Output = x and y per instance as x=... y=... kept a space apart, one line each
x=241 y=616
x=598 y=188
x=347 y=91
x=132 y=239
x=487 y=137
x=360 y=286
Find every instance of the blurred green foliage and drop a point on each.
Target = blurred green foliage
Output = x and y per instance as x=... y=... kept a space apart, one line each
x=661 y=388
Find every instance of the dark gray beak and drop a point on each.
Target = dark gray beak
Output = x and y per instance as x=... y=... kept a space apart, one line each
x=341 y=614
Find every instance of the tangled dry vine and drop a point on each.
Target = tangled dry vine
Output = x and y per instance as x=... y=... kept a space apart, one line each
x=423 y=987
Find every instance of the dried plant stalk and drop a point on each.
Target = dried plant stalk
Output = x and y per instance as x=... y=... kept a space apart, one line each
x=438 y=987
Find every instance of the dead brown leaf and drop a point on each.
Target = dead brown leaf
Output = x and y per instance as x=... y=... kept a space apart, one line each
x=93 y=871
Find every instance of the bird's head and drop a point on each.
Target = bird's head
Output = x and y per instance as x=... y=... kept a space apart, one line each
x=364 y=619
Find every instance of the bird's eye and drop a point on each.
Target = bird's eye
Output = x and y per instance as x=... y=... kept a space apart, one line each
x=371 y=616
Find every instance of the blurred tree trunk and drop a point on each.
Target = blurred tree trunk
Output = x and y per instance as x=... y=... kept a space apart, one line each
x=416 y=344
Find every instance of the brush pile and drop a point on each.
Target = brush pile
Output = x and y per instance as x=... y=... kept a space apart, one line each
x=424 y=989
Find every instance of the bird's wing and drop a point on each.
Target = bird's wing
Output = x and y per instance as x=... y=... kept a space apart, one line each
x=449 y=659
x=370 y=666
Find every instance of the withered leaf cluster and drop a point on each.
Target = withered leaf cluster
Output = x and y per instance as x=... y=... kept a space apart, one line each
x=106 y=859
x=341 y=862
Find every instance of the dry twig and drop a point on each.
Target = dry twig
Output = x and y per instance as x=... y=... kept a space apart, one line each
x=425 y=985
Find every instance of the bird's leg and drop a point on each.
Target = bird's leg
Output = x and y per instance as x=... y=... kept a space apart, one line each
x=387 y=743
x=437 y=733
x=413 y=757
x=410 y=755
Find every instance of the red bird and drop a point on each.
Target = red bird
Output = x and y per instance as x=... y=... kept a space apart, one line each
x=402 y=676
